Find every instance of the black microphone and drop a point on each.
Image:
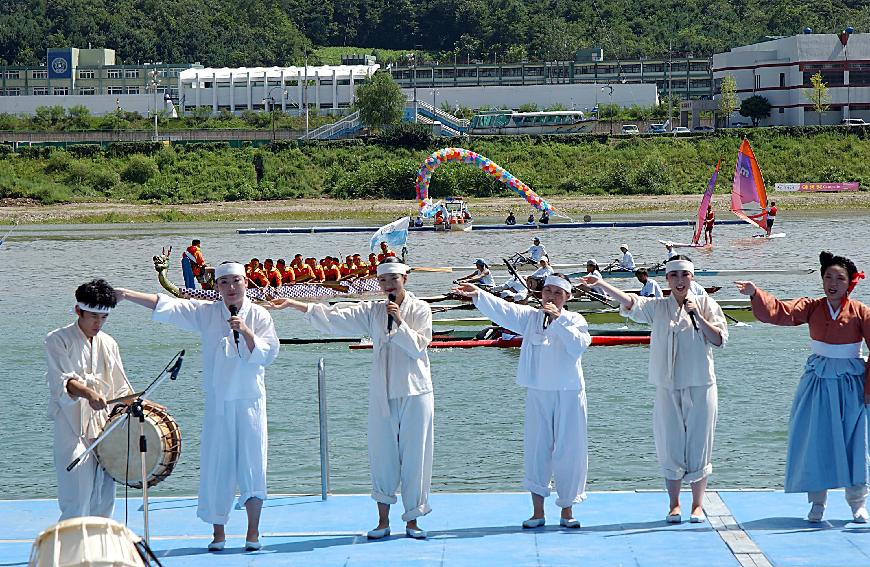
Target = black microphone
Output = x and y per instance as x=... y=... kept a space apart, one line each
x=694 y=321
x=391 y=298
x=176 y=368
x=234 y=311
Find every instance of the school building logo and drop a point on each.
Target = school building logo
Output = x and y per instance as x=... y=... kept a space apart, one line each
x=60 y=65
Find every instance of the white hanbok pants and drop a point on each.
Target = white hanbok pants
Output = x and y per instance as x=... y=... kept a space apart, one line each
x=400 y=452
x=232 y=456
x=555 y=445
x=86 y=490
x=683 y=424
x=856 y=496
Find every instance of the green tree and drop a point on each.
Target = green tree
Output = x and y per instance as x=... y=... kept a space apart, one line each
x=727 y=98
x=818 y=95
x=380 y=101
x=755 y=107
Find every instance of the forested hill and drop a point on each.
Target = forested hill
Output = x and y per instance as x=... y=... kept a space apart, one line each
x=275 y=32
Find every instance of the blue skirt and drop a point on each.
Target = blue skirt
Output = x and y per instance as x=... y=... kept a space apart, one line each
x=827 y=435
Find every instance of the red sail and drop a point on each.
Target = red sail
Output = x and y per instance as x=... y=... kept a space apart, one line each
x=748 y=196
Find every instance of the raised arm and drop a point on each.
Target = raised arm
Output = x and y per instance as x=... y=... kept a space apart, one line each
x=624 y=299
x=508 y=315
x=769 y=309
x=148 y=300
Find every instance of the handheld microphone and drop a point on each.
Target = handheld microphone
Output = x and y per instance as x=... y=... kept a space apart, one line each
x=176 y=368
x=234 y=311
x=694 y=321
x=391 y=298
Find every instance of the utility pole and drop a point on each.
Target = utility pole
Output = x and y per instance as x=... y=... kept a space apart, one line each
x=305 y=93
x=670 y=84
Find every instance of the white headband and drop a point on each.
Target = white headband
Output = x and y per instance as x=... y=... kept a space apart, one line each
x=677 y=265
x=94 y=309
x=558 y=282
x=392 y=268
x=229 y=269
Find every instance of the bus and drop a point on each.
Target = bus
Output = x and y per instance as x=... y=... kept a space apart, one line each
x=549 y=122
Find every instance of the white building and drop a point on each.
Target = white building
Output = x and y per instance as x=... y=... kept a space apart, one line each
x=780 y=71
x=330 y=88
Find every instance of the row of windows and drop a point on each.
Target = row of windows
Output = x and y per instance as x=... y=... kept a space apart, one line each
x=91 y=74
x=62 y=91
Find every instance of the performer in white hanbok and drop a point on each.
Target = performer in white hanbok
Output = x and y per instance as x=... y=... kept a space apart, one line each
x=234 y=433
x=554 y=438
x=401 y=401
x=84 y=370
x=685 y=327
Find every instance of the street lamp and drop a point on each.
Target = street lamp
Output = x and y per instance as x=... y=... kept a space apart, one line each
x=271 y=101
x=611 y=105
x=155 y=81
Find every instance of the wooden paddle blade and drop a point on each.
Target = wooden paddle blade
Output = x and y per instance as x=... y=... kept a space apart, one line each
x=430 y=269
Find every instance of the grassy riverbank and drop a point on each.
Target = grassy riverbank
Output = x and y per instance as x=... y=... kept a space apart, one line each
x=378 y=211
x=375 y=180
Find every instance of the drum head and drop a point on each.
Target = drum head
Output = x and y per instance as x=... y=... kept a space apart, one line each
x=119 y=453
x=86 y=541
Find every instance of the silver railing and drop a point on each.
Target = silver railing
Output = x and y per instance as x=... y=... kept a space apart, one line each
x=324 y=435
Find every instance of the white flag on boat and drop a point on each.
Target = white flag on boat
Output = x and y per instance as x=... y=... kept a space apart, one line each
x=394 y=234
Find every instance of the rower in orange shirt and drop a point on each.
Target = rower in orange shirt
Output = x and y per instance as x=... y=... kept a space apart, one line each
x=297 y=261
x=288 y=275
x=272 y=275
x=332 y=270
x=347 y=267
x=385 y=252
x=255 y=274
x=373 y=264
x=304 y=273
x=319 y=275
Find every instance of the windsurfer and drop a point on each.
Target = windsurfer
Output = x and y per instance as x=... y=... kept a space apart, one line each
x=771 y=216
x=709 y=220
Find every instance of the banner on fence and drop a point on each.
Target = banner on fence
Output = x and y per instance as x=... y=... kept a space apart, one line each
x=818 y=187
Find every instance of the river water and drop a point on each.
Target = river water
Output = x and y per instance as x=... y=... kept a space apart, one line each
x=479 y=408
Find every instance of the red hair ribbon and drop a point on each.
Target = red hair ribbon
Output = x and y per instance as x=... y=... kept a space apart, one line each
x=854 y=281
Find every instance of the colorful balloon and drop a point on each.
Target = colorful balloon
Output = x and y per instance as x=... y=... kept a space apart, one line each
x=461 y=155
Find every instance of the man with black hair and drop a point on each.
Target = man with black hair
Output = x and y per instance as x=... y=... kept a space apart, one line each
x=84 y=370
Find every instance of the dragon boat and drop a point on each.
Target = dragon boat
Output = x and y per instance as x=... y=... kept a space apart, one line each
x=319 y=290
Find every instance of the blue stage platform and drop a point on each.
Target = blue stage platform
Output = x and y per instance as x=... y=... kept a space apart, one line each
x=479 y=529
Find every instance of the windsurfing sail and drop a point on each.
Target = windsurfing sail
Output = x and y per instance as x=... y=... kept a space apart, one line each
x=748 y=196
x=705 y=202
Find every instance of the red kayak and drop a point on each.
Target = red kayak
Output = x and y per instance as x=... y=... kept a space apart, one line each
x=515 y=342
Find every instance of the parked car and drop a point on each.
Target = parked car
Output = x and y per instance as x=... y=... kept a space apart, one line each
x=853 y=122
x=702 y=129
x=740 y=124
x=630 y=129
x=656 y=129
x=679 y=130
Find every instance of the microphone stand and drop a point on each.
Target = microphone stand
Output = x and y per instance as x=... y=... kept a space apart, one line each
x=135 y=409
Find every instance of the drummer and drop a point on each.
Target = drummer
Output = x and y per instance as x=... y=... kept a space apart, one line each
x=84 y=370
x=238 y=342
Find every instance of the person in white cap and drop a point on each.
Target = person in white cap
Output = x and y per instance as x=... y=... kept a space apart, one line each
x=536 y=251
x=685 y=328
x=554 y=439
x=482 y=275
x=401 y=400
x=84 y=370
x=627 y=260
x=238 y=343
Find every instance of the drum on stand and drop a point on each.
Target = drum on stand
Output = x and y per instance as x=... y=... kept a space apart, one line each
x=88 y=542
x=119 y=455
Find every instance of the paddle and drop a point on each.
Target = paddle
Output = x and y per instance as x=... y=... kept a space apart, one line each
x=735 y=321
x=460 y=307
x=513 y=272
x=427 y=269
x=597 y=297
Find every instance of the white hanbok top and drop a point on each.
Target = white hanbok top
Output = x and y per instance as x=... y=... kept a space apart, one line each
x=401 y=362
x=679 y=355
x=95 y=363
x=697 y=289
x=549 y=358
x=651 y=289
x=228 y=374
